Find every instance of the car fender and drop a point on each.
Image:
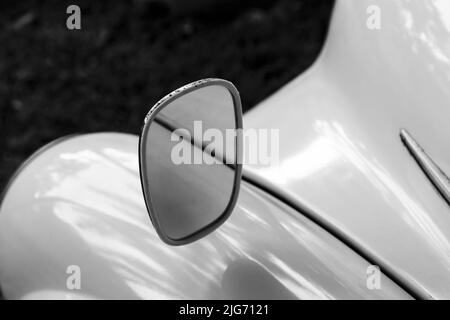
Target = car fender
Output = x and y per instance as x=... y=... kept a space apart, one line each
x=78 y=206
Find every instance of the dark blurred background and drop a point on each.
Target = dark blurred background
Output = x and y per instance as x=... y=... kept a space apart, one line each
x=128 y=54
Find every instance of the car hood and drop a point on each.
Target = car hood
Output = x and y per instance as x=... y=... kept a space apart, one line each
x=341 y=156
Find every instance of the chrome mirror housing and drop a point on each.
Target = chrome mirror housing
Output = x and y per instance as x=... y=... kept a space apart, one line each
x=190 y=159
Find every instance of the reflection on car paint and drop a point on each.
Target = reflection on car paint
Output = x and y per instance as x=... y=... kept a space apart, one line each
x=81 y=204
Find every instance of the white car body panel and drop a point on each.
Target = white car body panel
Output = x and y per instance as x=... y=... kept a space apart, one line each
x=342 y=158
x=79 y=202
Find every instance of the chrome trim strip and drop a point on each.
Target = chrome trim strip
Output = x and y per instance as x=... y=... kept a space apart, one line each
x=416 y=292
x=439 y=179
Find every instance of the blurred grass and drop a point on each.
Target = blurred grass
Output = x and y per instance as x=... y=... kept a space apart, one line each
x=128 y=54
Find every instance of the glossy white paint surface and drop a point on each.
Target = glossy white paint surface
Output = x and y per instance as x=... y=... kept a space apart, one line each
x=80 y=203
x=341 y=154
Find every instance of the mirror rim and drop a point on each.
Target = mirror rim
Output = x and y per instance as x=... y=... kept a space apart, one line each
x=161 y=104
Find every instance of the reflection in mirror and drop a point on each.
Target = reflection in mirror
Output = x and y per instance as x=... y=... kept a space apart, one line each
x=189 y=161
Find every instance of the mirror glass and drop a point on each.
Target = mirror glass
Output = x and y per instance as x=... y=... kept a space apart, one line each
x=189 y=162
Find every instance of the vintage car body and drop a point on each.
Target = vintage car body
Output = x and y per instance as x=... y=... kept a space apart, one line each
x=343 y=159
x=346 y=193
x=79 y=202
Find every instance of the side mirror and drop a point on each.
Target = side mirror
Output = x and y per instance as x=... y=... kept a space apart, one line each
x=190 y=159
